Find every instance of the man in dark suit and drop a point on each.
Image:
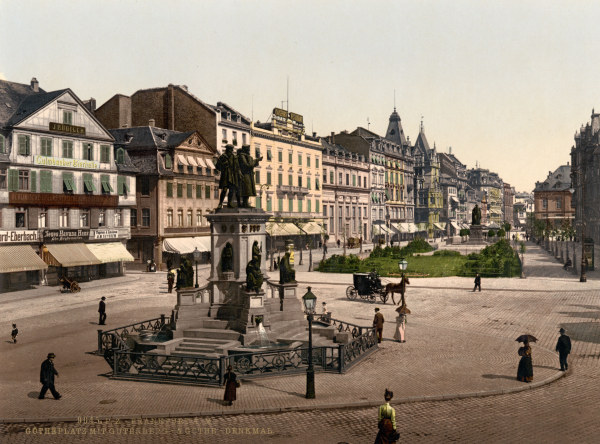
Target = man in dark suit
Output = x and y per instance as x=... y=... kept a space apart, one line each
x=47 y=373
x=102 y=311
x=477 y=282
x=378 y=324
x=563 y=347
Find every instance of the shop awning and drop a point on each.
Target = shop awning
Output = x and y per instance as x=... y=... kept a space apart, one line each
x=455 y=225
x=440 y=225
x=15 y=258
x=421 y=226
x=110 y=252
x=396 y=227
x=71 y=255
x=191 y=161
x=186 y=245
x=210 y=164
x=200 y=162
x=312 y=228
x=381 y=229
x=454 y=199
x=283 y=229
x=181 y=159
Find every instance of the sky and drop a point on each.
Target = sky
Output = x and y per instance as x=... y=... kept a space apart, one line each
x=505 y=83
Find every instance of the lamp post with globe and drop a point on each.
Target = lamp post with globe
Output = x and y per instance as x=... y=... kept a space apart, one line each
x=197 y=256
x=310 y=300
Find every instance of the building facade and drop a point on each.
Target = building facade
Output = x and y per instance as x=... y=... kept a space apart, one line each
x=488 y=184
x=508 y=203
x=232 y=127
x=552 y=198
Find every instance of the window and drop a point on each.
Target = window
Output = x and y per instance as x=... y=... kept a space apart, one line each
x=291 y=157
x=268 y=178
x=63 y=217
x=133 y=217
x=2 y=146
x=300 y=181
x=189 y=218
x=308 y=161
x=331 y=181
x=88 y=184
x=199 y=218
x=317 y=184
x=169 y=189
x=291 y=205
x=20 y=217
x=299 y=159
x=280 y=204
x=180 y=218
x=316 y=162
x=340 y=178
x=104 y=153
x=190 y=169
x=216 y=193
x=340 y=215
x=545 y=204
x=84 y=217
x=558 y=203
x=105 y=184
x=145 y=217
x=280 y=179
x=269 y=154
x=179 y=190
x=145 y=185
x=3 y=178
x=23 y=180
x=330 y=217
x=43 y=218
x=290 y=180
x=308 y=183
x=122 y=188
x=189 y=190
x=169 y=218
x=354 y=180
x=24 y=142
x=269 y=204
x=234 y=137
x=224 y=135
x=120 y=158
x=207 y=191
x=280 y=156
x=102 y=218
x=257 y=176
x=67 y=149
x=118 y=217
x=88 y=151
x=67 y=117
x=347 y=179
x=299 y=206
x=198 y=191
x=46 y=147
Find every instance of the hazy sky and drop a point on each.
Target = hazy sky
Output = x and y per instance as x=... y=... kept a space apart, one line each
x=505 y=83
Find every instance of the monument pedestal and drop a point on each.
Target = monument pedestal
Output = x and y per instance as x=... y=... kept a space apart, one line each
x=476 y=236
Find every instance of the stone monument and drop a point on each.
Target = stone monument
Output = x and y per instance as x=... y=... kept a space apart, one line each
x=476 y=236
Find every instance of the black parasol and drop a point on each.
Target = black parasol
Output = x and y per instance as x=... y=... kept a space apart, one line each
x=526 y=338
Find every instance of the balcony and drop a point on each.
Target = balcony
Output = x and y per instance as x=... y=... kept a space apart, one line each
x=293 y=189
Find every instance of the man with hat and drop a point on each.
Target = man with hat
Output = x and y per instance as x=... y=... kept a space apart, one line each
x=102 y=311
x=563 y=347
x=378 y=324
x=47 y=377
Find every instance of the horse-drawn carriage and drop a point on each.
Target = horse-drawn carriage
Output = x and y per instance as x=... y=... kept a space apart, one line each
x=368 y=287
x=69 y=285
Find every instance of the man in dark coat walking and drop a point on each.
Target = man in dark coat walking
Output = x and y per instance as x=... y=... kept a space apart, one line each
x=47 y=373
x=563 y=347
x=378 y=324
x=477 y=282
x=102 y=311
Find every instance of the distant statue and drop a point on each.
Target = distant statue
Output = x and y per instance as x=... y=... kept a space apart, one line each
x=254 y=277
x=476 y=216
x=229 y=181
x=247 y=182
x=185 y=274
x=286 y=266
x=227 y=258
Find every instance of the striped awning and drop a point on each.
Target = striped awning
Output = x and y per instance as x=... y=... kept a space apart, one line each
x=15 y=258
x=210 y=164
x=186 y=245
x=181 y=159
x=440 y=225
x=192 y=161
x=312 y=228
x=110 y=252
x=200 y=162
x=283 y=229
x=69 y=255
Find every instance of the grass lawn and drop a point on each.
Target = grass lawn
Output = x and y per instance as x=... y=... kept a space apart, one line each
x=418 y=266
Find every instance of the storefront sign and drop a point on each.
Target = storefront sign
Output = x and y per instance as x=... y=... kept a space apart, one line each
x=109 y=233
x=66 y=235
x=297 y=118
x=13 y=236
x=65 y=128
x=62 y=200
x=66 y=163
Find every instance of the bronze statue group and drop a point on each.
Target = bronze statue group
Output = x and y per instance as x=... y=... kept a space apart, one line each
x=237 y=176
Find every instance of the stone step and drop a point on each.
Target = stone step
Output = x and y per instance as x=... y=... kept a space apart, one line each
x=286 y=316
x=214 y=323
x=198 y=355
x=214 y=341
x=212 y=333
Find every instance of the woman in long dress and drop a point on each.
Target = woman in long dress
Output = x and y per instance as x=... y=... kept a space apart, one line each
x=525 y=370
x=401 y=323
x=386 y=422
x=230 y=386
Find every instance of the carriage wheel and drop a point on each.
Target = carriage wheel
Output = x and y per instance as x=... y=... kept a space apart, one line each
x=351 y=293
x=383 y=296
x=372 y=298
x=75 y=287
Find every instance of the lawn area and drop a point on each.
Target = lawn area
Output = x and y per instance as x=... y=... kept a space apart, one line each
x=418 y=266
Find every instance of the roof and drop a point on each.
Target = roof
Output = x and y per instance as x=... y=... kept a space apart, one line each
x=222 y=105
x=559 y=180
x=367 y=134
x=422 y=144
x=181 y=88
x=395 y=133
x=13 y=94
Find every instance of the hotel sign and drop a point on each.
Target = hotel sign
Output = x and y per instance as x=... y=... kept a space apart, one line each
x=12 y=236
x=65 y=128
x=66 y=235
x=66 y=163
x=109 y=233
x=62 y=200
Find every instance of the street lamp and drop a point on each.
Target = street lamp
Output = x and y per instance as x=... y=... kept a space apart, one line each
x=577 y=173
x=402 y=264
x=310 y=300
x=197 y=255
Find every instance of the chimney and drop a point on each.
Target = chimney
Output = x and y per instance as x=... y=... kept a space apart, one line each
x=90 y=104
x=314 y=134
x=332 y=138
x=35 y=85
x=151 y=122
x=449 y=150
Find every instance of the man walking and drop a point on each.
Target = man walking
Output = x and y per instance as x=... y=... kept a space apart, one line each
x=14 y=333
x=47 y=373
x=378 y=324
x=563 y=347
x=102 y=311
x=477 y=282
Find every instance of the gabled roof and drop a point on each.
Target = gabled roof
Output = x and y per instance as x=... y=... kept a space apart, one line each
x=559 y=180
x=421 y=144
x=367 y=134
x=222 y=105
x=12 y=94
x=32 y=104
x=395 y=133
x=181 y=88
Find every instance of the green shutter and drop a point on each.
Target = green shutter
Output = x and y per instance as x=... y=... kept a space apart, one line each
x=68 y=181
x=258 y=202
x=353 y=180
x=299 y=206
x=308 y=182
x=198 y=191
x=309 y=206
x=269 y=204
x=121 y=187
x=179 y=190
x=207 y=191
x=317 y=205
x=33 y=181
x=46 y=181
x=268 y=178
x=280 y=204
x=168 y=161
x=189 y=190
x=169 y=189
x=106 y=187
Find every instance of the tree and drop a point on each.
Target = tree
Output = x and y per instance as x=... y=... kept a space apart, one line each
x=507 y=227
x=501 y=233
x=491 y=233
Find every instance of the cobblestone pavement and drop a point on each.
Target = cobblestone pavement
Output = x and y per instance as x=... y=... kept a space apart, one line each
x=459 y=342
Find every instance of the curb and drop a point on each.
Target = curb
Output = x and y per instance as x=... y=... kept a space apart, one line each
x=254 y=411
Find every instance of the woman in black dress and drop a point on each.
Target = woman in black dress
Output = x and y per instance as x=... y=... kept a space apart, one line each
x=525 y=370
x=231 y=385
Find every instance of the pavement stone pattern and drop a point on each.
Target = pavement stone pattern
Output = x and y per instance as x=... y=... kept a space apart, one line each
x=459 y=343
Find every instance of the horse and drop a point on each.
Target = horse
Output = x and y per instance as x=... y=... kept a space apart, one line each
x=399 y=287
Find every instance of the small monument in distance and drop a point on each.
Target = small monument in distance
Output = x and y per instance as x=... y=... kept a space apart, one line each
x=476 y=236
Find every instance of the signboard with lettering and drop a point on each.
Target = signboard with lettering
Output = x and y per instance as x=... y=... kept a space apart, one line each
x=65 y=128
x=110 y=233
x=14 y=236
x=297 y=118
x=66 y=235
x=280 y=113
x=62 y=200
x=66 y=163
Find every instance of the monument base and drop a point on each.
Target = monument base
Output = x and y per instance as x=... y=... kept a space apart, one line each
x=476 y=236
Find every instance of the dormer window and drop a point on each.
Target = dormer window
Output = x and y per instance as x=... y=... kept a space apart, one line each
x=67 y=117
x=120 y=158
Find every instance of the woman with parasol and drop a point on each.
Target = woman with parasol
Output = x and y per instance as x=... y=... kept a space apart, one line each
x=525 y=369
x=401 y=323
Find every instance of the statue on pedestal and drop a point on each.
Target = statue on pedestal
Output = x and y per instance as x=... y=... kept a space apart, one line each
x=247 y=181
x=227 y=258
x=254 y=277
x=229 y=182
x=286 y=267
x=476 y=216
x=185 y=274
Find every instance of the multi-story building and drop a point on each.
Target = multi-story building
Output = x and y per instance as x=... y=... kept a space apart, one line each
x=175 y=190
x=507 y=203
x=232 y=127
x=429 y=198
x=65 y=192
x=346 y=193
x=553 y=198
x=585 y=176
x=288 y=178
x=456 y=192
x=489 y=184
x=523 y=206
